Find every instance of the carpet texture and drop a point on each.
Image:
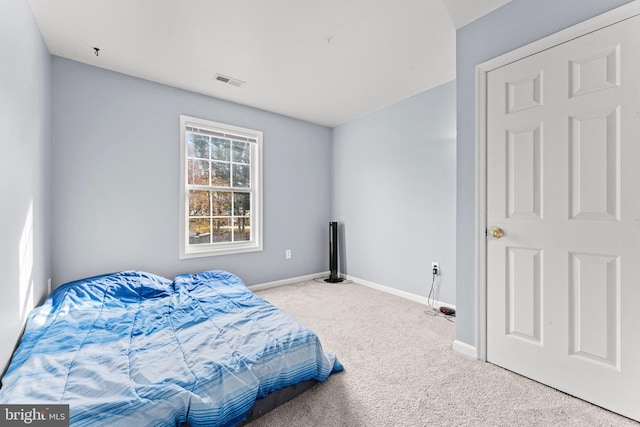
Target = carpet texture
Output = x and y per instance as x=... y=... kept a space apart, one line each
x=400 y=370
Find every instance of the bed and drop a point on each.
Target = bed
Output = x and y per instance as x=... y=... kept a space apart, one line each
x=133 y=348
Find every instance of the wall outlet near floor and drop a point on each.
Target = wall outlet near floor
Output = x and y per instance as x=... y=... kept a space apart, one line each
x=435 y=267
x=49 y=286
x=287 y=254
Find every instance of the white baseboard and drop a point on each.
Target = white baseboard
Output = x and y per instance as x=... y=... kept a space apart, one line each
x=290 y=281
x=397 y=292
x=459 y=346
x=464 y=348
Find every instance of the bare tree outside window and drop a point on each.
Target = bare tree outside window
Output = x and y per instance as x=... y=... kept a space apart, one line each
x=220 y=192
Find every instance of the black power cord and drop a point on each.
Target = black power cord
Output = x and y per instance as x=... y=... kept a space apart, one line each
x=433 y=282
x=445 y=312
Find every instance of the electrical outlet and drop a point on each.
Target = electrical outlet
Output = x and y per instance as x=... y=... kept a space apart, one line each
x=49 y=286
x=287 y=254
x=435 y=267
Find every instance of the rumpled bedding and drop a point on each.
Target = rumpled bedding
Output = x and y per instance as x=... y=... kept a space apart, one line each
x=136 y=349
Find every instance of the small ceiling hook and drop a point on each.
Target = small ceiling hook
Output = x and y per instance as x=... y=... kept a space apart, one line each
x=97 y=51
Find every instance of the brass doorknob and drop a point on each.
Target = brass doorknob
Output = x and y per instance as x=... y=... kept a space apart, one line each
x=497 y=233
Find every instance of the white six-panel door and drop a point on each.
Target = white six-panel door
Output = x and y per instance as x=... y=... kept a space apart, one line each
x=563 y=183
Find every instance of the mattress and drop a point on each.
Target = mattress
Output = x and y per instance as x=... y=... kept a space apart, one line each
x=132 y=348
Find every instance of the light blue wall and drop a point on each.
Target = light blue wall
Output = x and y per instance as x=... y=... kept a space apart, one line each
x=25 y=125
x=115 y=172
x=116 y=180
x=394 y=187
x=513 y=25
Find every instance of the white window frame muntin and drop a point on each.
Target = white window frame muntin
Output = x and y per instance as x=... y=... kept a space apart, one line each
x=222 y=248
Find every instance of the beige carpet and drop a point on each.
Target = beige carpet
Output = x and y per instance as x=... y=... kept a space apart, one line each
x=400 y=370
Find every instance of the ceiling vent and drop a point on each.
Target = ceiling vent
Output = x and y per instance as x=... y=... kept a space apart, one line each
x=229 y=80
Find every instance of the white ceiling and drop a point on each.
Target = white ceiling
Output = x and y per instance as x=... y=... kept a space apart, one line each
x=464 y=11
x=326 y=61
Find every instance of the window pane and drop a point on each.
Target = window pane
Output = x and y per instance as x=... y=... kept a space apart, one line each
x=241 y=152
x=198 y=172
x=241 y=204
x=199 y=203
x=241 y=229
x=221 y=230
x=221 y=203
x=198 y=145
x=222 y=184
x=199 y=231
x=221 y=174
x=241 y=176
x=220 y=149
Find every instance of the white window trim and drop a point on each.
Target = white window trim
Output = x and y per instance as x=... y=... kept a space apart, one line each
x=227 y=248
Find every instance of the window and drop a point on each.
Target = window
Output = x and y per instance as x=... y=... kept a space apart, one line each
x=221 y=195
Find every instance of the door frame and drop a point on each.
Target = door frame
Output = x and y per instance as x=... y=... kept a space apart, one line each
x=611 y=17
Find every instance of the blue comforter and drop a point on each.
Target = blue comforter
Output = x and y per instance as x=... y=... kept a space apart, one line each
x=136 y=349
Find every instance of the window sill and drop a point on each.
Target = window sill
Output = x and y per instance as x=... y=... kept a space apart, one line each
x=215 y=251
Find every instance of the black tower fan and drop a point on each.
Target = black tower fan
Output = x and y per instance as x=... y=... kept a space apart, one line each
x=333 y=253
